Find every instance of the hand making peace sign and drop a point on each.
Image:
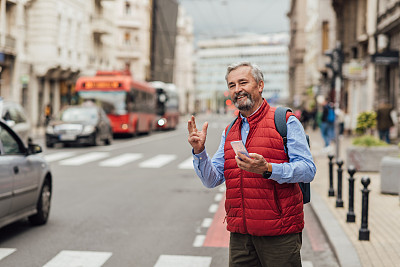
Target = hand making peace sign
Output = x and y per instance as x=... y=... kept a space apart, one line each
x=197 y=138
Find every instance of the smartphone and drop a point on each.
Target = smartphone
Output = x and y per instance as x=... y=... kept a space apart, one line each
x=238 y=146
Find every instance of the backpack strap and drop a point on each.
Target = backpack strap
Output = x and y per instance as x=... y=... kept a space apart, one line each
x=230 y=126
x=280 y=124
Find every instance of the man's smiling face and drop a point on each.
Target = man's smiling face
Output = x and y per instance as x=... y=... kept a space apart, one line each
x=244 y=91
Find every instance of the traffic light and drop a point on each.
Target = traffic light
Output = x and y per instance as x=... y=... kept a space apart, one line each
x=336 y=61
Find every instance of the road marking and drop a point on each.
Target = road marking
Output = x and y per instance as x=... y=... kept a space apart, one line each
x=121 y=160
x=206 y=222
x=213 y=208
x=187 y=164
x=157 y=161
x=307 y=264
x=85 y=158
x=183 y=261
x=58 y=156
x=4 y=252
x=68 y=258
x=198 y=241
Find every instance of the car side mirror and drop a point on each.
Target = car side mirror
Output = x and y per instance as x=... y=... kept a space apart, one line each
x=34 y=149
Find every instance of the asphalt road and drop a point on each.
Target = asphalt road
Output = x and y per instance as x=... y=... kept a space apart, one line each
x=137 y=202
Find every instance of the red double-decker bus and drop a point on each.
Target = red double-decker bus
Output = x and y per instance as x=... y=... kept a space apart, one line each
x=129 y=104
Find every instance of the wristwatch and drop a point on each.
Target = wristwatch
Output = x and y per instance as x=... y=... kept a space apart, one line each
x=268 y=172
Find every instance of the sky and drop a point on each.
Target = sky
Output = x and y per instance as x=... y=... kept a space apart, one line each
x=219 y=18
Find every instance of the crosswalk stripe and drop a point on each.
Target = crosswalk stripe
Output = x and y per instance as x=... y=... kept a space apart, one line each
x=199 y=241
x=157 y=161
x=85 y=158
x=307 y=264
x=59 y=155
x=68 y=258
x=121 y=160
x=187 y=164
x=183 y=261
x=4 y=252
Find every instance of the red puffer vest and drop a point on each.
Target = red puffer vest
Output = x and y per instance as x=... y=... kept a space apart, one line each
x=255 y=205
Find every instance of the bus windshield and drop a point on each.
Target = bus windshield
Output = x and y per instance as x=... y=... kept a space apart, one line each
x=113 y=102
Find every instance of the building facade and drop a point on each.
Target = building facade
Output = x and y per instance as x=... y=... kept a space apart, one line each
x=213 y=56
x=45 y=45
x=184 y=63
x=133 y=22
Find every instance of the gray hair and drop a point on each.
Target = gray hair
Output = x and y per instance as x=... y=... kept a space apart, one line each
x=255 y=70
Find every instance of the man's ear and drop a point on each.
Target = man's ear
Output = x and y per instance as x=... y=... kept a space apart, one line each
x=260 y=86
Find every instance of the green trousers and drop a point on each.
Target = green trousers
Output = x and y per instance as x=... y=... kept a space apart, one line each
x=265 y=251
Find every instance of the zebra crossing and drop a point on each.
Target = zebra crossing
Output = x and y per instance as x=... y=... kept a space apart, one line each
x=106 y=159
x=71 y=258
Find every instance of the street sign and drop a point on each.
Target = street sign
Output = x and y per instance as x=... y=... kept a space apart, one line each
x=386 y=58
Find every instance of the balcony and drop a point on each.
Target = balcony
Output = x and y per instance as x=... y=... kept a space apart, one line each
x=127 y=22
x=7 y=44
x=101 y=25
x=127 y=52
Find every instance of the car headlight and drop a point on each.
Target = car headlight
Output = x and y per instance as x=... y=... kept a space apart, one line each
x=88 y=129
x=50 y=129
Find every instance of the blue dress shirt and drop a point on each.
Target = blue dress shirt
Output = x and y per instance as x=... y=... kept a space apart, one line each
x=301 y=167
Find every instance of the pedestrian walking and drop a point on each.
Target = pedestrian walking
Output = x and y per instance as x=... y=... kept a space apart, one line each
x=48 y=111
x=384 y=120
x=264 y=203
x=328 y=123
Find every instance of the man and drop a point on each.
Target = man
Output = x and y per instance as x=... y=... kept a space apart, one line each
x=264 y=207
x=384 y=120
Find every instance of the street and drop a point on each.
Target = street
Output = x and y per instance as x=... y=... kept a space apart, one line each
x=137 y=202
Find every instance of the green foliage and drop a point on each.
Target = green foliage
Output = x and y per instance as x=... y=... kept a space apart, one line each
x=368 y=140
x=366 y=121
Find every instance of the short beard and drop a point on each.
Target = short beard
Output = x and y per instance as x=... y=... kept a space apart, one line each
x=248 y=105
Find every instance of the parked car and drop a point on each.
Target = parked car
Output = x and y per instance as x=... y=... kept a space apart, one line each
x=25 y=180
x=15 y=117
x=84 y=124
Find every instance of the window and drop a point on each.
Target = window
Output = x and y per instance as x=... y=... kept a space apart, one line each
x=10 y=145
x=325 y=36
x=127 y=8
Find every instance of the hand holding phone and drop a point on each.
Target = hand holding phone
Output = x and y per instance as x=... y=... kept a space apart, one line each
x=238 y=146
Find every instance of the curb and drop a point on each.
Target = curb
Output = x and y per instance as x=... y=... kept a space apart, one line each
x=342 y=246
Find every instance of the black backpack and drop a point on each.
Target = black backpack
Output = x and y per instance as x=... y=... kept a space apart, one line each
x=281 y=127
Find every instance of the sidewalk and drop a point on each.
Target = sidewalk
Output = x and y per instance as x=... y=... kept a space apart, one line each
x=383 y=248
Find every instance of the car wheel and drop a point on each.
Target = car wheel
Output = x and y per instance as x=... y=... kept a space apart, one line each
x=43 y=205
x=96 y=139
x=109 y=139
x=49 y=145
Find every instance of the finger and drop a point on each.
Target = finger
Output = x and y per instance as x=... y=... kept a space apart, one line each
x=205 y=127
x=243 y=157
x=194 y=123
x=255 y=156
x=190 y=126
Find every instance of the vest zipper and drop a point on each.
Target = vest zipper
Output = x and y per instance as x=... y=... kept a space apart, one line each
x=278 y=205
x=244 y=209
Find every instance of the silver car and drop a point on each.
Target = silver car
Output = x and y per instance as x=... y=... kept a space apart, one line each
x=25 y=180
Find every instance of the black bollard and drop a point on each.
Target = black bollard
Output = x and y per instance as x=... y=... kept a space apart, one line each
x=339 y=200
x=331 y=191
x=351 y=216
x=363 y=234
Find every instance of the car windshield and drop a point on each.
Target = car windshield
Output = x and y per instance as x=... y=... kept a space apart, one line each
x=79 y=114
x=113 y=102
